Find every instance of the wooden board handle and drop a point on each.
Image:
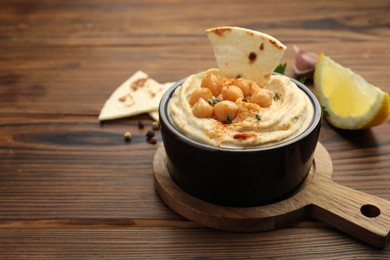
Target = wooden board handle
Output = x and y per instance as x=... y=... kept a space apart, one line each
x=361 y=215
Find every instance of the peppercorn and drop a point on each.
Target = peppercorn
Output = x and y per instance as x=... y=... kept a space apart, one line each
x=155 y=126
x=150 y=134
x=140 y=125
x=127 y=136
x=152 y=140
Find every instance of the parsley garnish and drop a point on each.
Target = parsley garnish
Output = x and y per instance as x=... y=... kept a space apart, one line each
x=247 y=99
x=214 y=101
x=238 y=76
x=281 y=68
x=324 y=111
x=229 y=118
x=276 y=96
x=258 y=117
x=302 y=80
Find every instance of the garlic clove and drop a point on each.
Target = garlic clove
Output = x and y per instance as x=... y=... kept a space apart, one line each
x=305 y=62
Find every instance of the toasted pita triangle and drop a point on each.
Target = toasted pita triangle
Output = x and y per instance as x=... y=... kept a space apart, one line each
x=250 y=54
x=154 y=114
x=138 y=94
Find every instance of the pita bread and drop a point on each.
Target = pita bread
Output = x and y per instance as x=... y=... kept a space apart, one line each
x=250 y=54
x=138 y=94
x=154 y=114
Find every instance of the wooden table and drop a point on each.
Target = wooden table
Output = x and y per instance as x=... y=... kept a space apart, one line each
x=71 y=187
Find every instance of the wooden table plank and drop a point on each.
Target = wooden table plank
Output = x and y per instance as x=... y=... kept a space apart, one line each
x=128 y=22
x=52 y=168
x=43 y=81
x=168 y=243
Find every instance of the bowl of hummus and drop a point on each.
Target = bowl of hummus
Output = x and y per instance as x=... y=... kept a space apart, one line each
x=235 y=139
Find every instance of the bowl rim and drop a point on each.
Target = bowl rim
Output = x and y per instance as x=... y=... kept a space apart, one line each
x=164 y=117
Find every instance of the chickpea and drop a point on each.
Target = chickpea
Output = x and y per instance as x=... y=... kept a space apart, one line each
x=231 y=93
x=223 y=109
x=245 y=85
x=202 y=109
x=213 y=82
x=262 y=97
x=204 y=93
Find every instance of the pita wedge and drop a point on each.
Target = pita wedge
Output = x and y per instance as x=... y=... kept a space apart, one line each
x=154 y=114
x=250 y=54
x=138 y=94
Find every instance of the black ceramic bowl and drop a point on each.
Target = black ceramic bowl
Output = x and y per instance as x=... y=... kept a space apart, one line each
x=239 y=177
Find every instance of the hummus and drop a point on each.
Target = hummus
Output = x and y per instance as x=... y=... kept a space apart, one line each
x=289 y=114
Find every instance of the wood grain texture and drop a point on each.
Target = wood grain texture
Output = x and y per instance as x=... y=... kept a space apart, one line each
x=53 y=168
x=71 y=187
x=108 y=41
x=180 y=243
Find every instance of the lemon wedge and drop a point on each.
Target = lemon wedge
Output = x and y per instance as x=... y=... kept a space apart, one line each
x=348 y=100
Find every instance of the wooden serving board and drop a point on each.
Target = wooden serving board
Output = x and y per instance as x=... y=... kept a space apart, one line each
x=361 y=215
